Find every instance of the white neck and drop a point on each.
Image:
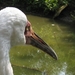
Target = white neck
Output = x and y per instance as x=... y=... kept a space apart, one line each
x=5 y=65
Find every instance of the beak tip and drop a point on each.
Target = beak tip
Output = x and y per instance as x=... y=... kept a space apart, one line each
x=55 y=57
x=52 y=53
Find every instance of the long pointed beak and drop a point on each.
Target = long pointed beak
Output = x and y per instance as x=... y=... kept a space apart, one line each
x=34 y=40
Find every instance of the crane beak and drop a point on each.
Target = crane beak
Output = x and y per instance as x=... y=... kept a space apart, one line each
x=34 y=40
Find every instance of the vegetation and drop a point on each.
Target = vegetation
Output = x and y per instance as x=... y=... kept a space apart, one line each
x=44 y=6
x=55 y=4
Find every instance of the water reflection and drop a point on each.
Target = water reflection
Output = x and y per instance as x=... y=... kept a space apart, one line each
x=63 y=69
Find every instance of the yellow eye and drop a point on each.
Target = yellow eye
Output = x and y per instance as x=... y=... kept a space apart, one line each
x=27 y=29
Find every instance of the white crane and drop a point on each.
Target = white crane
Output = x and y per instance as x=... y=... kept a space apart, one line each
x=15 y=29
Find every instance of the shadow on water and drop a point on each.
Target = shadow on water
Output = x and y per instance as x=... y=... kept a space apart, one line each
x=60 y=36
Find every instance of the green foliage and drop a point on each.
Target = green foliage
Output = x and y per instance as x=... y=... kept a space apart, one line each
x=35 y=4
x=55 y=4
x=51 y=4
x=38 y=5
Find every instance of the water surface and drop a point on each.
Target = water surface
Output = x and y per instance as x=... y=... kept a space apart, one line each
x=28 y=60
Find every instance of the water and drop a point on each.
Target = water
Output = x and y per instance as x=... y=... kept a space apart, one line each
x=28 y=60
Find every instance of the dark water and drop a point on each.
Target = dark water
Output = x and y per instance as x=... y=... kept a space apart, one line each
x=28 y=60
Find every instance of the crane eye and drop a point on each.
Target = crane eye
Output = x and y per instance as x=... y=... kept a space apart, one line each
x=27 y=28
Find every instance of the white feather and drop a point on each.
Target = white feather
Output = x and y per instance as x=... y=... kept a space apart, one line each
x=12 y=26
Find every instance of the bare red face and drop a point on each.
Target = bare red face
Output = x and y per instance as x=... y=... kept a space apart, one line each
x=35 y=40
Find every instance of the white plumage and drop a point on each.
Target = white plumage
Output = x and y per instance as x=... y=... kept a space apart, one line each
x=12 y=27
x=15 y=29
